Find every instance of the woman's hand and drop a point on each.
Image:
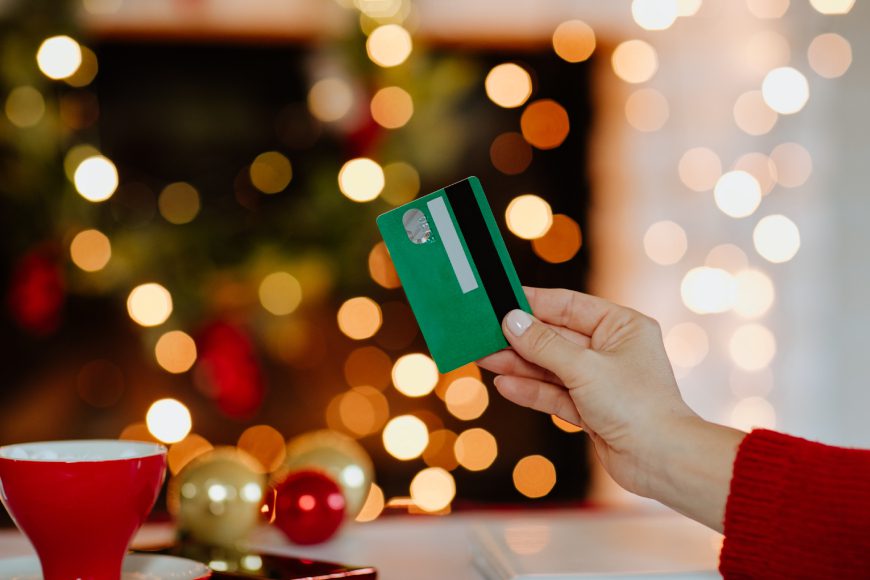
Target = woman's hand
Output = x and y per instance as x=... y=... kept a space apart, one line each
x=604 y=367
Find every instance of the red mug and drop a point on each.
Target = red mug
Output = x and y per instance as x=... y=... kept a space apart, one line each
x=80 y=502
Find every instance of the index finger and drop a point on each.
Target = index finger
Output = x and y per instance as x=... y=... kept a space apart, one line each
x=574 y=310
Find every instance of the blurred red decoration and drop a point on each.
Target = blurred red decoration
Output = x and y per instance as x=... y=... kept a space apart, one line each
x=36 y=291
x=364 y=139
x=307 y=506
x=229 y=368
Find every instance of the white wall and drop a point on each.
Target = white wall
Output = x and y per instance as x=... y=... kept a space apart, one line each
x=842 y=131
x=820 y=315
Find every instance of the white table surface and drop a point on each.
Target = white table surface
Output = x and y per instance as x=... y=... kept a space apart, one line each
x=440 y=548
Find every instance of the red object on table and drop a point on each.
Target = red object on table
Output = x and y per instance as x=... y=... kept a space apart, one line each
x=80 y=514
x=797 y=509
x=307 y=506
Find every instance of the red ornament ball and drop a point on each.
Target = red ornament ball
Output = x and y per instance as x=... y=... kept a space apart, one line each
x=308 y=507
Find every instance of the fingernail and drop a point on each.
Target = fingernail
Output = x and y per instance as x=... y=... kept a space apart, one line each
x=518 y=322
x=496 y=380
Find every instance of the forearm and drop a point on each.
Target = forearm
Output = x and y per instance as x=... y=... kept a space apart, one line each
x=691 y=469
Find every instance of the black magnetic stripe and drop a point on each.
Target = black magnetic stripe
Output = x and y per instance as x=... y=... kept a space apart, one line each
x=481 y=247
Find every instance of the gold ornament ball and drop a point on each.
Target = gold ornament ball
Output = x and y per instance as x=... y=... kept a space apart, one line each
x=339 y=456
x=216 y=498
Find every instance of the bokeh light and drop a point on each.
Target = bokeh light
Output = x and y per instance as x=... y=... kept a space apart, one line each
x=565 y=425
x=265 y=444
x=767 y=8
x=74 y=156
x=700 y=168
x=776 y=238
x=389 y=45
x=149 y=304
x=175 y=351
x=751 y=384
x=830 y=55
x=271 y=172
x=510 y=153
x=727 y=257
x=359 y=318
x=635 y=61
x=440 y=450
x=468 y=370
x=392 y=107
x=526 y=539
x=415 y=375
x=475 y=449
x=752 y=347
x=363 y=410
x=707 y=290
x=753 y=412
x=185 y=451
x=654 y=14
x=765 y=50
x=405 y=437
x=280 y=293
x=433 y=489
x=168 y=420
x=401 y=183
x=24 y=106
x=381 y=267
x=737 y=194
x=368 y=365
x=833 y=6
x=647 y=110
x=687 y=8
x=574 y=41
x=793 y=163
x=686 y=344
x=508 y=85
x=785 y=90
x=759 y=166
x=330 y=99
x=59 y=57
x=333 y=415
x=752 y=114
x=561 y=242
x=755 y=293
x=137 y=432
x=96 y=178
x=361 y=179
x=529 y=216
x=86 y=71
x=534 y=476
x=665 y=242
x=179 y=203
x=545 y=124
x=373 y=505
x=90 y=250
x=466 y=398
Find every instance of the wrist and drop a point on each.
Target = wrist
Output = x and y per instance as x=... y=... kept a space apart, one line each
x=692 y=466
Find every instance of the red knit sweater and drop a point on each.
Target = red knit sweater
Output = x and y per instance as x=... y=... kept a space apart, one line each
x=797 y=509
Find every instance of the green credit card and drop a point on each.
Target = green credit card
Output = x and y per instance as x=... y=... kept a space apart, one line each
x=455 y=270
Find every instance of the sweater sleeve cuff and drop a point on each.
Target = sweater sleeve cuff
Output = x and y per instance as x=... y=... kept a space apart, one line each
x=760 y=470
x=797 y=509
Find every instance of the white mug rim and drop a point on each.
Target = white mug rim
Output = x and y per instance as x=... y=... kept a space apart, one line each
x=142 y=449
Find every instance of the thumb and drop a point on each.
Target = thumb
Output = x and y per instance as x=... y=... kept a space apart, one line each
x=538 y=343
